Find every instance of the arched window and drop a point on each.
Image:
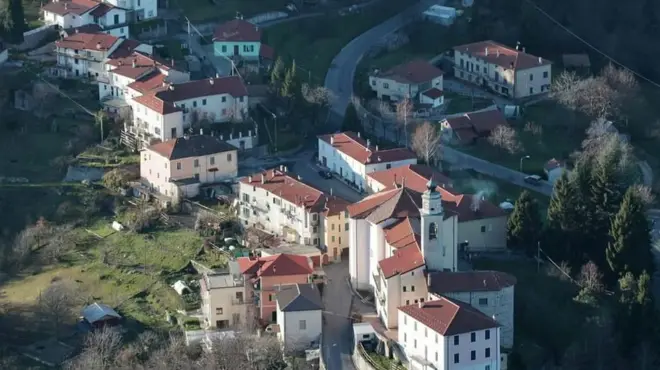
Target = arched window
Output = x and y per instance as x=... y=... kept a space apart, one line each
x=433 y=231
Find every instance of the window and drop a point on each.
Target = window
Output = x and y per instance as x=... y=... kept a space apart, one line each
x=404 y=288
x=426 y=334
x=218 y=311
x=483 y=229
x=183 y=106
x=388 y=166
x=487 y=367
x=346 y=227
x=487 y=335
x=433 y=231
x=415 y=343
x=224 y=112
x=545 y=74
x=436 y=357
x=224 y=99
x=487 y=353
x=212 y=160
x=415 y=325
x=483 y=301
x=473 y=337
x=315 y=229
x=531 y=90
x=407 y=302
x=436 y=338
x=178 y=165
x=473 y=355
x=75 y=61
x=340 y=240
x=241 y=99
x=456 y=341
x=412 y=288
x=195 y=104
x=157 y=131
x=116 y=18
x=421 y=300
x=165 y=164
x=531 y=77
x=196 y=163
x=405 y=337
x=373 y=82
x=228 y=157
x=416 y=301
x=456 y=358
x=203 y=101
x=302 y=325
x=224 y=48
x=270 y=298
x=405 y=319
x=333 y=238
x=386 y=85
x=138 y=2
x=332 y=227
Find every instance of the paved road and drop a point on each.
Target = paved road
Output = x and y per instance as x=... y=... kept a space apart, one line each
x=337 y=342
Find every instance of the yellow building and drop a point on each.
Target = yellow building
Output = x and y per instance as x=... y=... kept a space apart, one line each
x=336 y=228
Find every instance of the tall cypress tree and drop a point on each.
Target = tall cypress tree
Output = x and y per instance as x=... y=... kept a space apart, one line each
x=351 y=120
x=277 y=73
x=13 y=21
x=562 y=237
x=630 y=247
x=290 y=84
x=524 y=225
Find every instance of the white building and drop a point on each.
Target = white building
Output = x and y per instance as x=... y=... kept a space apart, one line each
x=353 y=158
x=138 y=10
x=417 y=80
x=68 y=14
x=299 y=316
x=164 y=113
x=440 y=14
x=447 y=334
x=83 y=55
x=285 y=206
x=397 y=231
x=490 y=292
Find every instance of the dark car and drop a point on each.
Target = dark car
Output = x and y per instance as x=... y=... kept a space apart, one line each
x=325 y=174
x=533 y=179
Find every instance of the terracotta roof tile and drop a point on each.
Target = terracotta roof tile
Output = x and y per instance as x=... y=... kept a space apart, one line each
x=501 y=55
x=413 y=72
x=289 y=188
x=335 y=205
x=449 y=317
x=237 y=30
x=64 y=7
x=357 y=148
x=441 y=282
x=125 y=49
x=402 y=260
x=277 y=265
x=192 y=146
x=267 y=52
x=87 y=41
x=101 y=10
x=433 y=93
x=150 y=82
x=88 y=28
x=400 y=202
x=482 y=122
x=415 y=177
x=403 y=233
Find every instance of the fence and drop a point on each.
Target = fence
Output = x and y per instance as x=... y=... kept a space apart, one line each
x=363 y=361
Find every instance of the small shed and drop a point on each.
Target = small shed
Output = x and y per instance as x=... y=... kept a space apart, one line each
x=440 y=14
x=98 y=315
x=363 y=331
x=180 y=287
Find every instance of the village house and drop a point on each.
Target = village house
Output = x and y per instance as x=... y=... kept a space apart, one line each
x=336 y=228
x=448 y=334
x=417 y=80
x=353 y=158
x=282 y=204
x=466 y=128
x=83 y=55
x=507 y=71
x=67 y=14
x=394 y=236
x=240 y=40
x=299 y=316
x=265 y=276
x=482 y=225
x=490 y=292
x=178 y=167
x=164 y=113
x=554 y=169
x=223 y=299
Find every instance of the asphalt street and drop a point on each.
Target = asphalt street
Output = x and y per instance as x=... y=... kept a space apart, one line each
x=337 y=337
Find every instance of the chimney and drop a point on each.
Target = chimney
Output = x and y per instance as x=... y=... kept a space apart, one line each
x=518 y=45
x=332 y=140
x=274 y=269
x=263 y=179
x=358 y=133
x=171 y=87
x=378 y=157
x=217 y=75
x=420 y=304
x=523 y=49
x=395 y=184
x=485 y=283
x=486 y=51
x=376 y=147
x=211 y=81
x=201 y=131
x=134 y=63
x=498 y=52
x=98 y=45
x=286 y=169
x=66 y=5
x=299 y=178
x=281 y=168
x=250 y=178
x=330 y=191
x=403 y=182
x=368 y=144
x=77 y=30
x=540 y=60
x=172 y=63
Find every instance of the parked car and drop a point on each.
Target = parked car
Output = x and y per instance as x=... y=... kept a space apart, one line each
x=533 y=179
x=325 y=174
x=422 y=112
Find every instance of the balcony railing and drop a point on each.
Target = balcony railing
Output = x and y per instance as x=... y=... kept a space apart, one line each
x=485 y=76
x=237 y=302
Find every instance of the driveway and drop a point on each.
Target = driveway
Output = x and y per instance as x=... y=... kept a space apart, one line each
x=337 y=334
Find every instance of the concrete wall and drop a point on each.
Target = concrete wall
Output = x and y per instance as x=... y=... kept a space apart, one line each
x=292 y=331
x=487 y=234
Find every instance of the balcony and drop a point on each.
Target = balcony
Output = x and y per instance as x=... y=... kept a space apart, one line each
x=237 y=302
x=257 y=286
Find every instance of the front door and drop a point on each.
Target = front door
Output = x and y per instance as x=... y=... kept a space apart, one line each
x=235 y=49
x=273 y=316
x=325 y=162
x=334 y=254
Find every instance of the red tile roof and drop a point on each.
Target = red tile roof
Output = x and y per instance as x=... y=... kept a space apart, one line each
x=433 y=93
x=150 y=82
x=415 y=176
x=335 y=205
x=449 y=317
x=88 y=28
x=133 y=72
x=191 y=146
x=87 y=41
x=400 y=202
x=403 y=233
x=413 y=72
x=469 y=126
x=501 y=55
x=362 y=151
x=289 y=188
x=237 y=30
x=277 y=265
x=101 y=10
x=163 y=101
x=403 y=260
x=441 y=282
x=267 y=52
x=124 y=50
x=64 y=7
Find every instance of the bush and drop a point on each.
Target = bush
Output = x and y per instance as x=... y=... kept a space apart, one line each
x=117 y=179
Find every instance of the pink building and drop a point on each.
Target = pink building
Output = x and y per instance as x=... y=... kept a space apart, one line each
x=264 y=276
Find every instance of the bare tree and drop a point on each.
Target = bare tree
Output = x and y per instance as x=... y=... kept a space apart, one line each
x=257 y=238
x=426 y=142
x=318 y=98
x=403 y=111
x=56 y=304
x=100 y=351
x=591 y=278
x=602 y=140
x=505 y=137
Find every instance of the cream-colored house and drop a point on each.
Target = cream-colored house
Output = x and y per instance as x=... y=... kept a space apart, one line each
x=177 y=167
x=507 y=71
x=417 y=80
x=223 y=300
x=83 y=55
x=490 y=292
x=336 y=228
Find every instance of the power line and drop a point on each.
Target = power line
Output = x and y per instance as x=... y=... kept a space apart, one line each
x=530 y=2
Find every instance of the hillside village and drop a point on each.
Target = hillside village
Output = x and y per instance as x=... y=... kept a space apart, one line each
x=312 y=185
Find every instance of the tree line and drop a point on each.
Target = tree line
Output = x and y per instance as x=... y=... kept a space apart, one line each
x=12 y=21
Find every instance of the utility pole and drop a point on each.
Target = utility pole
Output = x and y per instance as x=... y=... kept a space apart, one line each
x=538 y=257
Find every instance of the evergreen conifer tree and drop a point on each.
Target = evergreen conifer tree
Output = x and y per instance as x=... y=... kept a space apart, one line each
x=13 y=20
x=351 y=120
x=277 y=73
x=290 y=83
x=562 y=234
x=524 y=225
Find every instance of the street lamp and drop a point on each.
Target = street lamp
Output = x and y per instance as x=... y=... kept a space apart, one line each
x=521 y=161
